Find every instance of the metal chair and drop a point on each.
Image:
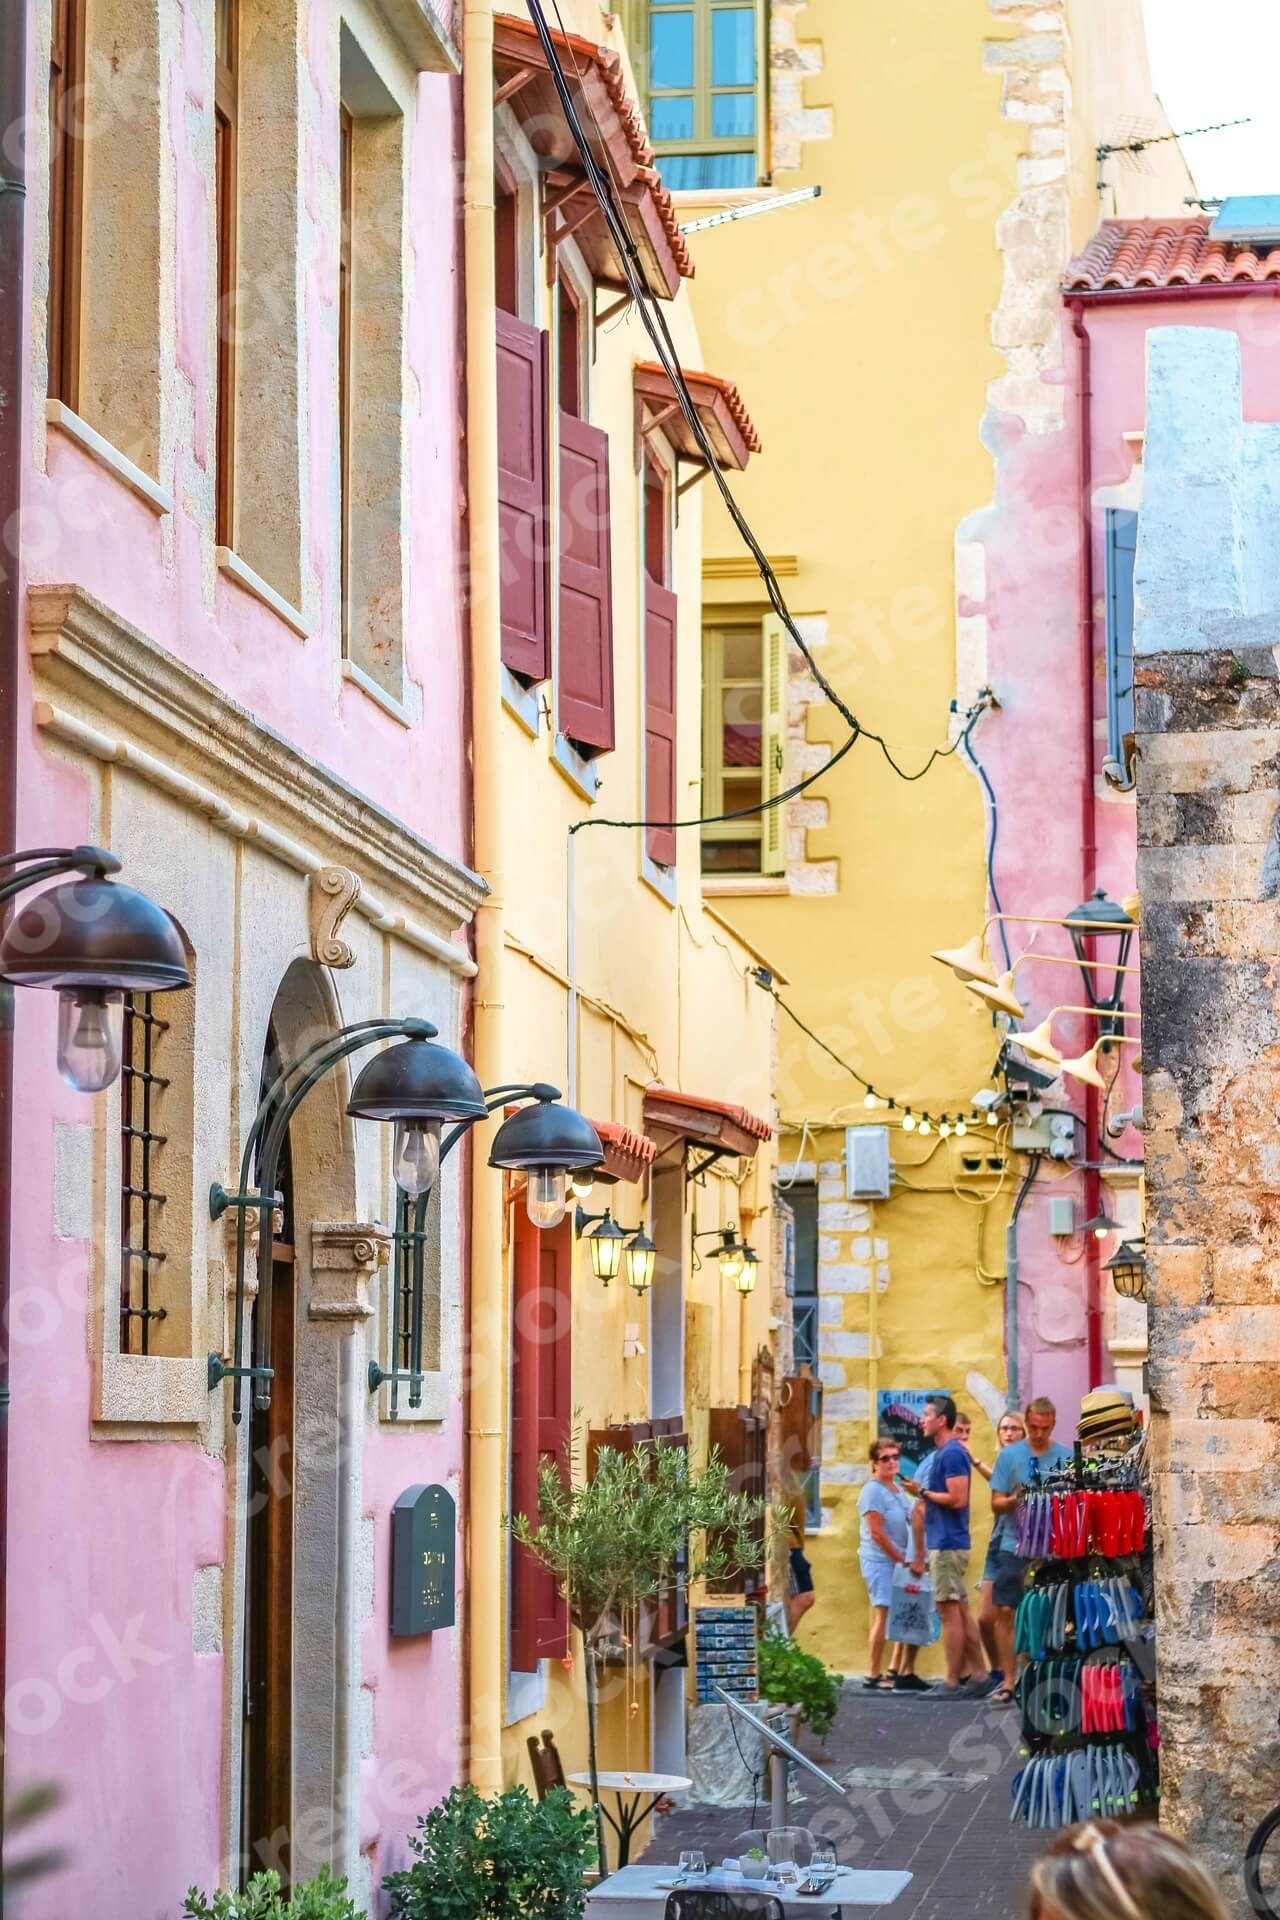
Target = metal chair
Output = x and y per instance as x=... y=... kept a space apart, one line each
x=712 y=1903
x=548 y=1770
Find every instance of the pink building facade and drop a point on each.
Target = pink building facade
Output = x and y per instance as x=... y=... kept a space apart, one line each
x=1048 y=572
x=236 y=656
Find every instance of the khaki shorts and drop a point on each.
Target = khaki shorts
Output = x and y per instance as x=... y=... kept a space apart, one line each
x=949 y=1572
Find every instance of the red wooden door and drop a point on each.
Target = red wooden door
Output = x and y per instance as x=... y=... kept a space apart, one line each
x=585 y=666
x=660 y=718
x=523 y=498
x=541 y=1409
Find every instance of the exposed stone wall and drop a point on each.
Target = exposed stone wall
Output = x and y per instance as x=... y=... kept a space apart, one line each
x=1209 y=876
x=792 y=60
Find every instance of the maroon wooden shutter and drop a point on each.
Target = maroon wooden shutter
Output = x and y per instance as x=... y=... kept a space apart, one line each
x=586 y=587
x=541 y=1406
x=660 y=718
x=523 y=500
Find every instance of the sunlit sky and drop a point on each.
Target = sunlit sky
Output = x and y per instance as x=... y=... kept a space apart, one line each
x=1218 y=62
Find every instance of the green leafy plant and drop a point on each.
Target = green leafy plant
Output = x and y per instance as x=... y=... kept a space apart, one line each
x=789 y=1677
x=323 y=1898
x=509 y=1858
x=615 y=1541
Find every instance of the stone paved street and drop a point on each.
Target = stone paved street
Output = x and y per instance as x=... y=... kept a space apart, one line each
x=929 y=1791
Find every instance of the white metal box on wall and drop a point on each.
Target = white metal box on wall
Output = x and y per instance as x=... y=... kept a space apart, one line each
x=867 y=1168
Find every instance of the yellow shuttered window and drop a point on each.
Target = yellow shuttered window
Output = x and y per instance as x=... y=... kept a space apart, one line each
x=744 y=746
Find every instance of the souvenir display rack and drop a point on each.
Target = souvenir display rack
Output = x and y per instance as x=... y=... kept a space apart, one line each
x=1084 y=1625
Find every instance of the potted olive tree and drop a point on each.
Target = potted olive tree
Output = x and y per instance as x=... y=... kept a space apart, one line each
x=615 y=1542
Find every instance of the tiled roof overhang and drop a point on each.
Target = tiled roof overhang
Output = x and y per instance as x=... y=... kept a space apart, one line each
x=707 y=1123
x=1149 y=256
x=614 y=129
x=627 y=1154
x=720 y=408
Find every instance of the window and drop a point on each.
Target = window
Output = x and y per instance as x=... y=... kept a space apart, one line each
x=541 y=1415
x=570 y=359
x=506 y=246
x=660 y=669
x=66 y=199
x=370 y=385
x=744 y=746
x=704 y=65
x=1122 y=547
x=141 y=1140
x=226 y=194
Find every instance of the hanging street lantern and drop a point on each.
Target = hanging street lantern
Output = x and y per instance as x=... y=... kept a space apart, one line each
x=731 y=1256
x=92 y=940
x=642 y=1260
x=416 y=1087
x=1106 y=925
x=551 y=1143
x=746 y=1280
x=605 y=1240
x=1101 y=1225
x=1128 y=1270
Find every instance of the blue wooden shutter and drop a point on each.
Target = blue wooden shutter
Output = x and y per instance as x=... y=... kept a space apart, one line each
x=1122 y=547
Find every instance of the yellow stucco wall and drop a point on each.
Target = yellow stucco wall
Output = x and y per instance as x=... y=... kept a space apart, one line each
x=869 y=332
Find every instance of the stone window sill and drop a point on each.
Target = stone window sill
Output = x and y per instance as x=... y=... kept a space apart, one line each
x=746 y=886
x=522 y=703
x=582 y=774
x=661 y=879
x=100 y=449
x=434 y=1408
x=230 y=563
x=406 y=712
x=144 y=1391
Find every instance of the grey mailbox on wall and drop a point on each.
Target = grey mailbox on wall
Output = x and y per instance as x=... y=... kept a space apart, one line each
x=424 y=1531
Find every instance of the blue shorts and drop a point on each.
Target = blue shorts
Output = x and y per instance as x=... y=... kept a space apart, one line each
x=991 y=1565
x=801 y=1572
x=877 y=1571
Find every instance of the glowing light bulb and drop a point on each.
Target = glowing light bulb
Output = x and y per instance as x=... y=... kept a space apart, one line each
x=925 y=1126
x=415 y=1156
x=961 y=1128
x=546 y=1197
x=944 y=1127
x=908 y=1121
x=870 y=1102
x=90 y=1037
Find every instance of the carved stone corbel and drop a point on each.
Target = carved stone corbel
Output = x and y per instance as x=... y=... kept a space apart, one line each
x=345 y=1255
x=332 y=893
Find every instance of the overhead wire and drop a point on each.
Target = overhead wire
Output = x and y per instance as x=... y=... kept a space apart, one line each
x=655 y=325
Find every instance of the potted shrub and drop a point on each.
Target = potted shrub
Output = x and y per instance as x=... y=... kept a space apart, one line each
x=323 y=1898
x=509 y=1858
x=614 y=1542
x=790 y=1677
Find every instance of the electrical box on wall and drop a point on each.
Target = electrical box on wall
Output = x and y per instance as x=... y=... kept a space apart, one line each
x=1052 y=1132
x=1062 y=1218
x=867 y=1169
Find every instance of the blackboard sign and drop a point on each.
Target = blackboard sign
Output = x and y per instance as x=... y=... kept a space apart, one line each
x=423 y=1559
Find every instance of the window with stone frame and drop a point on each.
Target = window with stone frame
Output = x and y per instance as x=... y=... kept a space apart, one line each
x=703 y=68
x=744 y=714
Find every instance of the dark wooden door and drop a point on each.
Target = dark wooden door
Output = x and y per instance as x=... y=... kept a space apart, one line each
x=267 y=1753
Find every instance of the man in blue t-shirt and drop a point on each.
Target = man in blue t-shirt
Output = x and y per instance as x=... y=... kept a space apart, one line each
x=1020 y=1465
x=944 y=1488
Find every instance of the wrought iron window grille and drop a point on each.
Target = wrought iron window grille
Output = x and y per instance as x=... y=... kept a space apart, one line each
x=140 y=1199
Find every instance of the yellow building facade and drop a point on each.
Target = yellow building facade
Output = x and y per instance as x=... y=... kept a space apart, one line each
x=600 y=961
x=895 y=336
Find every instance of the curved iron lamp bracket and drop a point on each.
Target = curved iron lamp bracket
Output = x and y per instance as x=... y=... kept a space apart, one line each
x=265 y=1143
x=408 y=1273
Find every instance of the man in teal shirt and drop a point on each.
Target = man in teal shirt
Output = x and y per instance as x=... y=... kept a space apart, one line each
x=1017 y=1466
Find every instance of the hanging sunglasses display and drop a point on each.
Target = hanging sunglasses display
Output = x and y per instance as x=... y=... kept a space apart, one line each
x=1084 y=1639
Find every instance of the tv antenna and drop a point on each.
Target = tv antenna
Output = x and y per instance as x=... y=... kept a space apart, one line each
x=1139 y=144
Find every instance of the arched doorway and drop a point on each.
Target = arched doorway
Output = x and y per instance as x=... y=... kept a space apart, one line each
x=299 y=1464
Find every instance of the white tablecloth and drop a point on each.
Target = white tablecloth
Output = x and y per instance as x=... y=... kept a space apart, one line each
x=634 y=1893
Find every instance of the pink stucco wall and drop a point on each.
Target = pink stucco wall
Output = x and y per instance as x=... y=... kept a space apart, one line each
x=1033 y=748
x=107 y=1533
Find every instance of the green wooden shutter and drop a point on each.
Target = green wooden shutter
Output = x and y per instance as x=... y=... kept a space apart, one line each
x=773 y=822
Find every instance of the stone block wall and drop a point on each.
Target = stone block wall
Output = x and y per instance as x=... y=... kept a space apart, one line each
x=1208 y=648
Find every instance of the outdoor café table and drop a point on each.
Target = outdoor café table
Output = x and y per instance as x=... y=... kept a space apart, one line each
x=640 y=1893
x=632 y=1789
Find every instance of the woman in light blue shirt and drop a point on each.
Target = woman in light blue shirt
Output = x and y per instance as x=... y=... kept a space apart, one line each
x=890 y=1534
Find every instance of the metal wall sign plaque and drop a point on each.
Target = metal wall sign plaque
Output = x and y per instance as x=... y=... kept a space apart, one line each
x=424 y=1530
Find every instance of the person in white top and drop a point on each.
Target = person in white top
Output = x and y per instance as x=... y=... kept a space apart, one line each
x=890 y=1534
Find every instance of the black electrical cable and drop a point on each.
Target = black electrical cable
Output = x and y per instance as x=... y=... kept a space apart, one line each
x=992 y=832
x=655 y=325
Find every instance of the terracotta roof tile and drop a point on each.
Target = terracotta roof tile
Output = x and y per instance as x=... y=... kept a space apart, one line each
x=1131 y=255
